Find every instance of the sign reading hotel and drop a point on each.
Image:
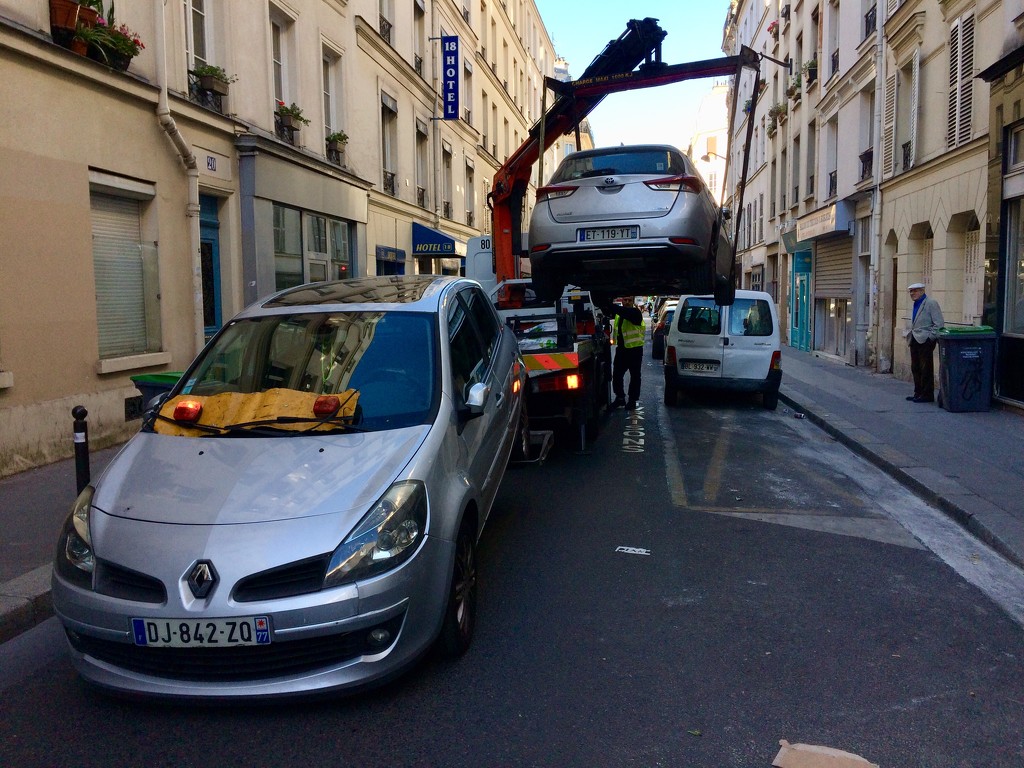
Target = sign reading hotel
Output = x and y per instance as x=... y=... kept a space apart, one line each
x=450 y=76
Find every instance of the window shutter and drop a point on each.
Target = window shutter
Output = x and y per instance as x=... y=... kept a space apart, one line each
x=891 y=6
x=954 y=83
x=118 y=269
x=915 y=100
x=889 y=126
x=966 y=104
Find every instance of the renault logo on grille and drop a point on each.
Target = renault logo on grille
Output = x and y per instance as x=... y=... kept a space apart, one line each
x=202 y=579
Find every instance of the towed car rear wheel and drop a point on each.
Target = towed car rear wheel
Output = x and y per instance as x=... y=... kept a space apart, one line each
x=460 y=614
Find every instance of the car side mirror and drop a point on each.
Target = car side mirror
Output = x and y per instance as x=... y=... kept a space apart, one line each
x=475 y=402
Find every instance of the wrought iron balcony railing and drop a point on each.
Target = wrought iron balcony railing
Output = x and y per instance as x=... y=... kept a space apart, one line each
x=203 y=97
x=446 y=209
x=871 y=21
x=867 y=164
x=385 y=29
x=389 y=182
x=833 y=183
x=908 y=154
x=421 y=197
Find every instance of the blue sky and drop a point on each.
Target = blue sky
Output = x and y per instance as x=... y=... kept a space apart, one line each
x=581 y=30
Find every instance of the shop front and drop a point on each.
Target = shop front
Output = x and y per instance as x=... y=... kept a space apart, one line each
x=436 y=252
x=828 y=230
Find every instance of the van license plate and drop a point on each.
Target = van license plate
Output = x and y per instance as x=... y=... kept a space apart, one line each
x=205 y=633
x=609 y=233
x=708 y=367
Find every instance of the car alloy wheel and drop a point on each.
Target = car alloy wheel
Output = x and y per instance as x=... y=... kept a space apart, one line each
x=460 y=615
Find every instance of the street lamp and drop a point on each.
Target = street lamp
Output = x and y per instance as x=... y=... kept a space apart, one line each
x=707 y=158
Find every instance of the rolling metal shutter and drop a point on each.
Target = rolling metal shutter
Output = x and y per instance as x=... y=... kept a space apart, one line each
x=833 y=267
x=118 y=266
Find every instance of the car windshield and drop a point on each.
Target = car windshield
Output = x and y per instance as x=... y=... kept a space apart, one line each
x=383 y=366
x=652 y=161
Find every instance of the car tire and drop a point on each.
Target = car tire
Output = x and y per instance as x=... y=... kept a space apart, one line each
x=547 y=287
x=770 y=399
x=460 y=613
x=521 y=444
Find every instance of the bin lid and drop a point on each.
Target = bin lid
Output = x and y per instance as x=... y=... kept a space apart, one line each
x=169 y=378
x=966 y=330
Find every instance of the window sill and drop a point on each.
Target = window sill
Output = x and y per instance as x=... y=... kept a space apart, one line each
x=118 y=364
x=6 y=379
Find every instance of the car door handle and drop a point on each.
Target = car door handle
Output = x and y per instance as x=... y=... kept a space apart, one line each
x=499 y=398
x=725 y=342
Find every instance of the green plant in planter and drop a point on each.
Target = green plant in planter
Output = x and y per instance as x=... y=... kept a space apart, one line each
x=294 y=112
x=211 y=70
x=338 y=137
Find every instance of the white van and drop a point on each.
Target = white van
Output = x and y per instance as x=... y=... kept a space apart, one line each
x=733 y=348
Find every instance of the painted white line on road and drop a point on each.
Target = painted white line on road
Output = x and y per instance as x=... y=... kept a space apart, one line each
x=633 y=551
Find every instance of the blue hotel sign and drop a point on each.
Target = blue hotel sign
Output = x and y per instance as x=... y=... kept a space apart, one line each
x=450 y=76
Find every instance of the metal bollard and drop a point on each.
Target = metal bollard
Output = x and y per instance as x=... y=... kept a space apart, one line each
x=81 y=447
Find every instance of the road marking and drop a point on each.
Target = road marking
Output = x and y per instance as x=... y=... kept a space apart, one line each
x=674 y=476
x=633 y=551
x=713 y=479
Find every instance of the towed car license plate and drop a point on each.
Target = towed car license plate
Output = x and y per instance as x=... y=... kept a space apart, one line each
x=206 y=633
x=689 y=365
x=609 y=233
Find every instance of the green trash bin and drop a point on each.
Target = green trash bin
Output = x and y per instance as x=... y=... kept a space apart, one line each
x=966 y=360
x=153 y=384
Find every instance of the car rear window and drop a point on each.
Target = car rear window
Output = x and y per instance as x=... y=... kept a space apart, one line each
x=660 y=162
x=699 y=316
x=750 y=317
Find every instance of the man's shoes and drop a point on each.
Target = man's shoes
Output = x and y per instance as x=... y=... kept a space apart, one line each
x=923 y=400
x=631 y=405
x=618 y=402
x=911 y=398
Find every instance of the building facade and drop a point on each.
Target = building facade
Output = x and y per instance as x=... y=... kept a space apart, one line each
x=877 y=165
x=143 y=206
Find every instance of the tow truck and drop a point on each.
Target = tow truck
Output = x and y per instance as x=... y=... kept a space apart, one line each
x=570 y=371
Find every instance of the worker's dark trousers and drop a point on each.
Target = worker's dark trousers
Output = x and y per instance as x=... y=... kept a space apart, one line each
x=627 y=359
x=922 y=368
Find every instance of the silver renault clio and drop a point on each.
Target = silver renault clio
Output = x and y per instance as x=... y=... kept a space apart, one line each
x=300 y=513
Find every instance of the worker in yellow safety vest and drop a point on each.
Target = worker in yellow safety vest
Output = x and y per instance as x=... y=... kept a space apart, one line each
x=628 y=336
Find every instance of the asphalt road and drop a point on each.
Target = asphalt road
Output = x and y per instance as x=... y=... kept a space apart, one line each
x=703 y=582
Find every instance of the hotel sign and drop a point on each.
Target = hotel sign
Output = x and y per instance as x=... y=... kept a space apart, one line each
x=450 y=76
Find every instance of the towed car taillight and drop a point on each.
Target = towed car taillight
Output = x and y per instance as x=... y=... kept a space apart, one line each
x=545 y=194
x=676 y=184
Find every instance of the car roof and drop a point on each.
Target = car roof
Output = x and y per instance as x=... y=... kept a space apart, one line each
x=619 y=148
x=410 y=292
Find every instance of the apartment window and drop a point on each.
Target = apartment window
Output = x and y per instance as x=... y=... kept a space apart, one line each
x=870 y=21
x=277 y=57
x=812 y=157
x=467 y=90
x=485 y=114
x=386 y=15
x=196 y=43
x=389 y=142
x=419 y=23
x=446 y=180
x=961 y=80
x=422 y=165
x=287 y=247
x=470 y=194
x=126 y=273
x=331 y=75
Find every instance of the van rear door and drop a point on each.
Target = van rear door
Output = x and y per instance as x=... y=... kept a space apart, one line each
x=698 y=323
x=751 y=337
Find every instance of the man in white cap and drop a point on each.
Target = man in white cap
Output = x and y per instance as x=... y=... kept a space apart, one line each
x=922 y=338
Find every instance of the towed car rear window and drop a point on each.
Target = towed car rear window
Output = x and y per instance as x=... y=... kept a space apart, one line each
x=661 y=162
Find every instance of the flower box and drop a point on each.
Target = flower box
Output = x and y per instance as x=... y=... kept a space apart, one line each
x=213 y=84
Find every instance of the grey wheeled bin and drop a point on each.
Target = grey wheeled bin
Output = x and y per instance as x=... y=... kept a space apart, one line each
x=966 y=358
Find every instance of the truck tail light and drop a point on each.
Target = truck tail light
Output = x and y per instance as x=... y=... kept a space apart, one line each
x=776 y=361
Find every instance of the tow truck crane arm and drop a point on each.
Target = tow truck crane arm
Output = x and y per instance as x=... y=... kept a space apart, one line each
x=631 y=61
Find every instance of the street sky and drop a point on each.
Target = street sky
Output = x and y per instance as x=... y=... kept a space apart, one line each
x=665 y=114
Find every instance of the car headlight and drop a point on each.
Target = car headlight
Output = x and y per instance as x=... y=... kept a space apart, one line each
x=75 y=559
x=385 y=538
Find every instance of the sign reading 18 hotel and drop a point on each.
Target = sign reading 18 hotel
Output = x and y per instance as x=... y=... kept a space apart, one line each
x=450 y=77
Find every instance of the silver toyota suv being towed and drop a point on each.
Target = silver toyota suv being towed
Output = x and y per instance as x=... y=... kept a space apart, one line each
x=301 y=512
x=629 y=220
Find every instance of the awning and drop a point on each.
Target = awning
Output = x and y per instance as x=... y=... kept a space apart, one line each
x=430 y=242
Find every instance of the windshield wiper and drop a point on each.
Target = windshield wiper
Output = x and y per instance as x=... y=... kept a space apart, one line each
x=267 y=426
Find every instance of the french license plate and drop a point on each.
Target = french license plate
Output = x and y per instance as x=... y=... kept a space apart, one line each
x=609 y=233
x=204 y=633
x=705 y=367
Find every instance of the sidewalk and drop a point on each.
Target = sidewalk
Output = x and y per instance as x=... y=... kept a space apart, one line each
x=970 y=465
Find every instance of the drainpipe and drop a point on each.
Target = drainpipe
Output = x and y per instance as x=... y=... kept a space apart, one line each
x=874 y=278
x=188 y=158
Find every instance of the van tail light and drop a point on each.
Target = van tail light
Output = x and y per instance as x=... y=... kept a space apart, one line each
x=188 y=411
x=545 y=194
x=670 y=356
x=776 y=361
x=676 y=184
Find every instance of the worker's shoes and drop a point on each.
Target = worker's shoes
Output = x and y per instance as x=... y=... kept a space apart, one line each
x=618 y=402
x=631 y=405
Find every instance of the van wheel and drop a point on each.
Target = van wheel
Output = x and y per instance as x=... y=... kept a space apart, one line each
x=671 y=394
x=770 y=399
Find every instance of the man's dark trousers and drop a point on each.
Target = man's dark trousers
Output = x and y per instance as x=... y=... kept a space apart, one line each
x=922 y=368
x=629 y=359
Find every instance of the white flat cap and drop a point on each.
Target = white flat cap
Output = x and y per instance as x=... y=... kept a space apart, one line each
x=912 y=286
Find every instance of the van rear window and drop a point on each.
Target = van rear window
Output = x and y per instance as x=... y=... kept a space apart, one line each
x=750 y=317
x=699 y=316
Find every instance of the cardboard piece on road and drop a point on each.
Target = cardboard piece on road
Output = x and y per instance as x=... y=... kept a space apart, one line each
x=810 y=756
